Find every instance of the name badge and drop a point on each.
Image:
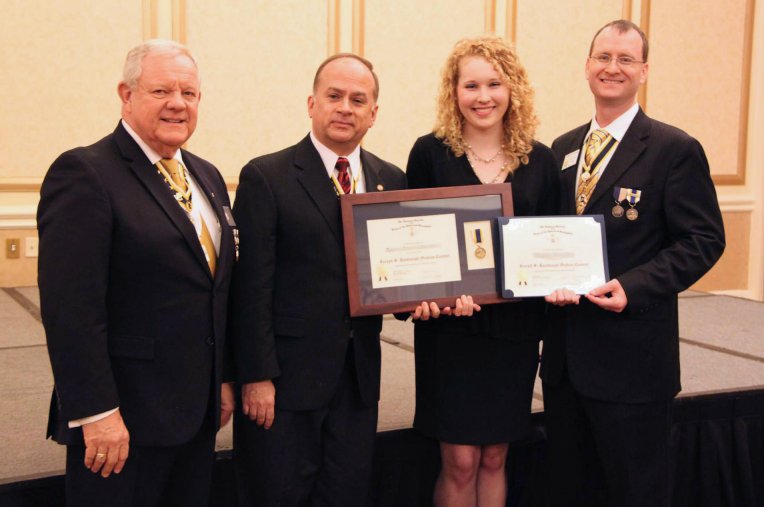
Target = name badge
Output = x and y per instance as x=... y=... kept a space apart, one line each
x=570 y=159
x=229 y=216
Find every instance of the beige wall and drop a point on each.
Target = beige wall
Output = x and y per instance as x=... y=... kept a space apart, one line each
x=257 y=57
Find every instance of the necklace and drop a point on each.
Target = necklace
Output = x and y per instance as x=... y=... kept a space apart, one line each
x=499 y=178
x=485 y=160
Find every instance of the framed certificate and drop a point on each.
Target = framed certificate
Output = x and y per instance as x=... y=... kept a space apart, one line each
x=407 y=246
x=542 y=254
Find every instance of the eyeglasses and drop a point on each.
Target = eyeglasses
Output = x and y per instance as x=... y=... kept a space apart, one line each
x=622 y=61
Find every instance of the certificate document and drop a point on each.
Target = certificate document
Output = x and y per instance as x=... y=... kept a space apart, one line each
x=542 y=254
x=413 y=250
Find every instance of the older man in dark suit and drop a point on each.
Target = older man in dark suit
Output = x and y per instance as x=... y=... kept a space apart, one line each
x=136 y=252
x=309 y=373
x=610 y=365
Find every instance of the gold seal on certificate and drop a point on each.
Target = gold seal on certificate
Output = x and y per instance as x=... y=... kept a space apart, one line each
x=542 y=254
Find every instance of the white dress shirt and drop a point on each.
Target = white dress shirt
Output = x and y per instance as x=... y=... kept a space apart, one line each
x=617 y=129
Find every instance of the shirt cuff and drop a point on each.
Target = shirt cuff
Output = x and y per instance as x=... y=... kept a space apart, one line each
x=76 y=423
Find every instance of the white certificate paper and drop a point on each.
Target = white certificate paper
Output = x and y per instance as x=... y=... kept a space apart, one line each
x=541 y=254
x=413 y=250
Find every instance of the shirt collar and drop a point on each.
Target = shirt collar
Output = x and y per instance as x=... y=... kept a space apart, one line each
x=329 y=158
x=619 y=126
x=153 y=156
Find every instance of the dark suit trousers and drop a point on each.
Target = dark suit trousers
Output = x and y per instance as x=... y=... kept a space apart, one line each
x=591 y=442
x=153 y=476
x=309 y=458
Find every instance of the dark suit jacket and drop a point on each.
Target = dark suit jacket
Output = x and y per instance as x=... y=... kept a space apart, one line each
x=132 y=314
x=634 y=356
x=290 y=319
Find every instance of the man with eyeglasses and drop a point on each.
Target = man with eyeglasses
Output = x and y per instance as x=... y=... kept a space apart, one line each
x=610 y=365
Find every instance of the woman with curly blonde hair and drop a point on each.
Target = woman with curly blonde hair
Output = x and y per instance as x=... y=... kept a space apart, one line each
x=475 y=374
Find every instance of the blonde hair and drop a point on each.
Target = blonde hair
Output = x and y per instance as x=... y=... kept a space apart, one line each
x=519 y=121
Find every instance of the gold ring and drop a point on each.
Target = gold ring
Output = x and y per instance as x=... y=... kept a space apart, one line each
x=100 y=456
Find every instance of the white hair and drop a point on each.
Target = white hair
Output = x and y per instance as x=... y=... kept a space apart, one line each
x=134 y=61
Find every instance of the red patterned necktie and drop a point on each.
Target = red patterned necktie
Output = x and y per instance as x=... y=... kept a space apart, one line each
x=343 y=175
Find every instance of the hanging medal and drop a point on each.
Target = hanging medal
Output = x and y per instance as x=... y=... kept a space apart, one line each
x=477 y=239
x=619 y=196
x=633 y=197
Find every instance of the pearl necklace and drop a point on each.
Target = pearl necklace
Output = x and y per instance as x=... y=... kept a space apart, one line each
x=499 y=178
x=485 y=160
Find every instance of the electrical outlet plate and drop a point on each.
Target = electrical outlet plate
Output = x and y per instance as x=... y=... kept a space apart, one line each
x=31 y=246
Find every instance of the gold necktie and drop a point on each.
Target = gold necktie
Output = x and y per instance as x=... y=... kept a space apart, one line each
x=178 y=178
x=597 y=141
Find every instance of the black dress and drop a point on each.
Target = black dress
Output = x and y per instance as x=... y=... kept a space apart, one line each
x=474 y=376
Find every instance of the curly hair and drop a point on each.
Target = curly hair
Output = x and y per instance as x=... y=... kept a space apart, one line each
x=519 y=121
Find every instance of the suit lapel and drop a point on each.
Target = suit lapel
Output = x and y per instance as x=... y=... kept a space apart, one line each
x=371 y=176
x=157 y=188
x=628 y=150
x=226 y=239
x=311 y=174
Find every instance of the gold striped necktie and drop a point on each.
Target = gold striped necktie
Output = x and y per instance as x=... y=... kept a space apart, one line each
x=179 y=184
x=590 y=172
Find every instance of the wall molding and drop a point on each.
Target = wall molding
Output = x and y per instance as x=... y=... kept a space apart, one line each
x=179 y=21
x=737 y=203
x=489 y=19
x=626 y=10
x=332 y=27
x=150 y=19
x=359 y=27
x=20 y=184
x=739 y=176
x=644 y=24
x=511 y=20
x=18 y=217
x=745 y=100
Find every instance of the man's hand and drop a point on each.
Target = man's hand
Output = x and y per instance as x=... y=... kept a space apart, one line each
x=463 y=307
x=562 y=297
x=227 y=403
x=258 y=401
x=617 y=300
x=107 y=443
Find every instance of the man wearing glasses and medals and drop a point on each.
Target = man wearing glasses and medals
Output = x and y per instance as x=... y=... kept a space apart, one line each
x=610 y=364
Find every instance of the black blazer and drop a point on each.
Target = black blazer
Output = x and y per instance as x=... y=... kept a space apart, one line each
x=634 y=356
x=289 y=304
x=132 y=314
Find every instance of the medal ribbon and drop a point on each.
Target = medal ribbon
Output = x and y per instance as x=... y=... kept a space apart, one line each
x=586 y=186
x=174 y=174
x=338 y=188
x=634 y=196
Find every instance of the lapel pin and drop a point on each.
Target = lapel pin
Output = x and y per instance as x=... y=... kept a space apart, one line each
x=380 y=188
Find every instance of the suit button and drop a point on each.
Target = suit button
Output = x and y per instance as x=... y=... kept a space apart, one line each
x=210 y=341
